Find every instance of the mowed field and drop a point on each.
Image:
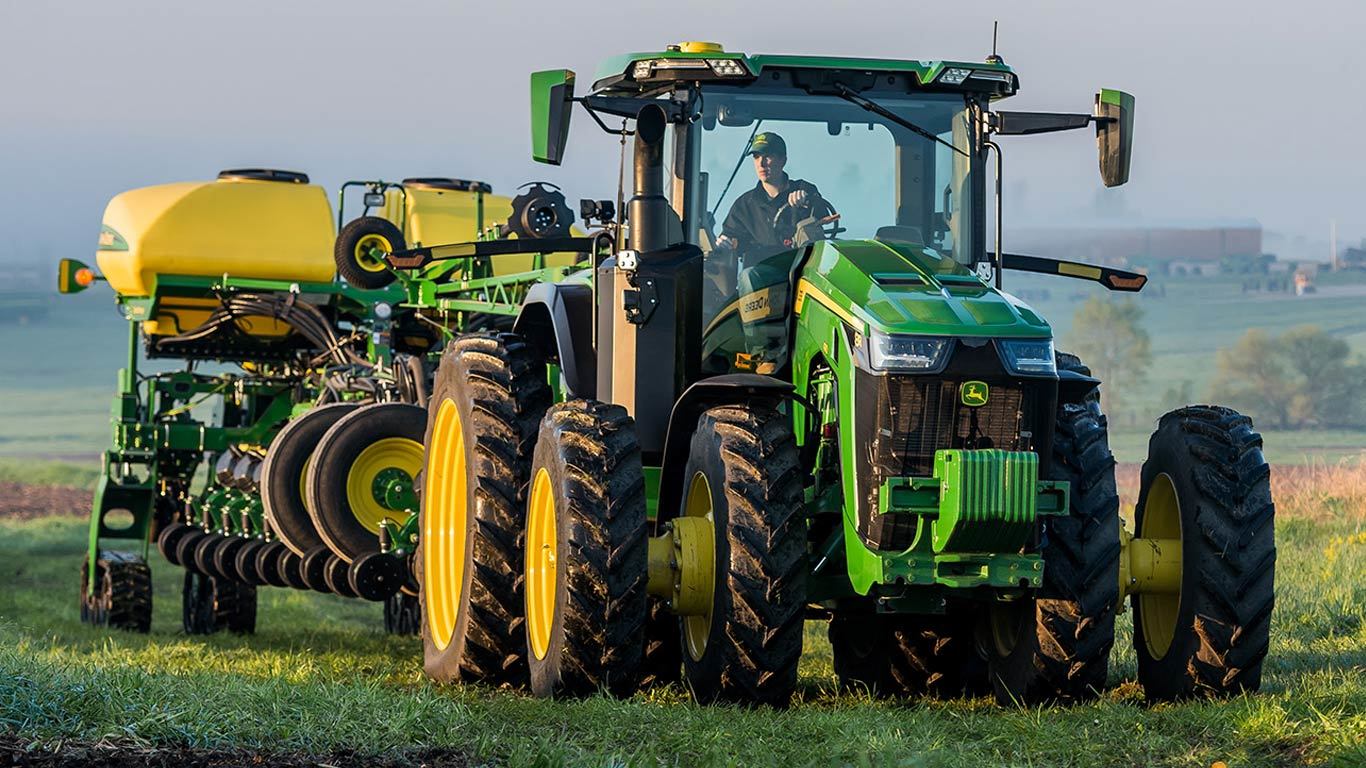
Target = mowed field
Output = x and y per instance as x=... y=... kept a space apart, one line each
x=320 y=683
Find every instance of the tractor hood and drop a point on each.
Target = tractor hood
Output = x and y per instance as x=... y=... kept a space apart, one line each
x=904 y=288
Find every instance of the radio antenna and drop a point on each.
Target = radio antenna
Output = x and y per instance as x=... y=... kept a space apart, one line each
x=993 y=58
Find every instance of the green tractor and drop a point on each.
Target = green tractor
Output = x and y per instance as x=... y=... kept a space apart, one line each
x=813 y=400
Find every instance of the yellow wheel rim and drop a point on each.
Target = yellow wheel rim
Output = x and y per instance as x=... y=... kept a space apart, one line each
x=364 y=253
x=696 y=629
x=541 y=542
x=387 y=453
x=445 y=519
x=1161 y=520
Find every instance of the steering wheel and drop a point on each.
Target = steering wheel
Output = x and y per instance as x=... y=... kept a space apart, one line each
x=813 y=226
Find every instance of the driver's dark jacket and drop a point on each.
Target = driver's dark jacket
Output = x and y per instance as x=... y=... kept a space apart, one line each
x=750 y=221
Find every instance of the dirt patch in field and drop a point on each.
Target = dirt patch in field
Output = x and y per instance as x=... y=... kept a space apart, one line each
x=25 y=502
x=17 y=752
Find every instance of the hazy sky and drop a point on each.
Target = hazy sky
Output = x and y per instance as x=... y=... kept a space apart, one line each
x=1244 y=109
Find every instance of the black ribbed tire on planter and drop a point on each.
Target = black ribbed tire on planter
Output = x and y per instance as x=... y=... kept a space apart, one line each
x=490 y=391
x=350 y=531
x=283 y=475
x=122 y=595
x=1056 y=647
x=586 y=603
x=1212 y=458
x=907 y=655
x=402 y=615
x=748 y=457
x=209 y=604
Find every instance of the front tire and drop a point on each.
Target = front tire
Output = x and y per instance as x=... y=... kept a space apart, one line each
x=586 y=569
x=485 y=409
x=1207 y=483
x=1056 y=646
x=743 y=474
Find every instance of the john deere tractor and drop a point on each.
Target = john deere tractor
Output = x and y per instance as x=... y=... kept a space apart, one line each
x=771 y=407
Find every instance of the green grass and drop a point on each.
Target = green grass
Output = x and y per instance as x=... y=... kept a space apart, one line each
x=321 y=675
x=39 y=472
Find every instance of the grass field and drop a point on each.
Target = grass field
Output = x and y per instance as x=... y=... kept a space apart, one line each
x=321 y=676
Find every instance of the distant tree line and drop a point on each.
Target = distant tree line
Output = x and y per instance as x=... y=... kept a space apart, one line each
x=1304 y=378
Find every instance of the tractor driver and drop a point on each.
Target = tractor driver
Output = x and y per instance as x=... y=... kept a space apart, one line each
x=763 y=221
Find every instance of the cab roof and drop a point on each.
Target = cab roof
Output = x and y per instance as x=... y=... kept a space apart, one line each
x=698 y=61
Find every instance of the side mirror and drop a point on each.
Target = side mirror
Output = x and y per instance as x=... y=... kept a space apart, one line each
x=74 y=276
x=552 y=101
x=1114 y=135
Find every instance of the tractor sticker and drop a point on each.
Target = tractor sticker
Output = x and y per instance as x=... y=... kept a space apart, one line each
x=111 y=240
x=974 y=393
x=762 y=304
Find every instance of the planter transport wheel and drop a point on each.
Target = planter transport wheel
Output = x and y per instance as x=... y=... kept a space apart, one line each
x=209 y=604
x=121 y=596
x=285 y=471
x=402 y=615
x=907 y=655
x=362 y=474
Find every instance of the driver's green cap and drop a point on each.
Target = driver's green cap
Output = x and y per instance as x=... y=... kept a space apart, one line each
x=768 y=144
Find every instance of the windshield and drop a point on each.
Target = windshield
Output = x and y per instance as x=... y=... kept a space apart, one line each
x=779 y=168
x=880 y=178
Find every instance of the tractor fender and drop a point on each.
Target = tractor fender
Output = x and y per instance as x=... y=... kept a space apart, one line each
x=557 y=319
x=729 y=389
x=1075 y=386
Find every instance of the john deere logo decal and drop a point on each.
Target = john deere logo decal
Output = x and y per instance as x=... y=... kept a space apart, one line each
x=111 y=240
x=974 y=393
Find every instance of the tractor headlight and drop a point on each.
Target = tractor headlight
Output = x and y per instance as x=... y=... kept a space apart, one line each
x=954 y=76
x=906 y=353
x=1028 y=357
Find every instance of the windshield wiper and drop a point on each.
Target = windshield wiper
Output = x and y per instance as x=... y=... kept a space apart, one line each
x=853 y=98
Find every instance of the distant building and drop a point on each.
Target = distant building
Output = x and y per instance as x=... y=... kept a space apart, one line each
x=1156 y=245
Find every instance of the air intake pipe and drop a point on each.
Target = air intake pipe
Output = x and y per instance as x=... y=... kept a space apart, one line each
x=647 y=210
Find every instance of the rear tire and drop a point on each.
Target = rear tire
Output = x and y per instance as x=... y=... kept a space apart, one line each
x=586 y=567
x=1211 y=458
x=750 y=646
x=1058 y=648
x=352 y=251
x=907 y=655
x=486 y=406
x=122 y=594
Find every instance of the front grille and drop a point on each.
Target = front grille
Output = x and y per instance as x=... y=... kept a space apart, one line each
x=920 y=415
x=903 y=419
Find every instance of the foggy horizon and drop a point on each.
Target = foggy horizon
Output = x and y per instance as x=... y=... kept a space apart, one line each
x=99 y=99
